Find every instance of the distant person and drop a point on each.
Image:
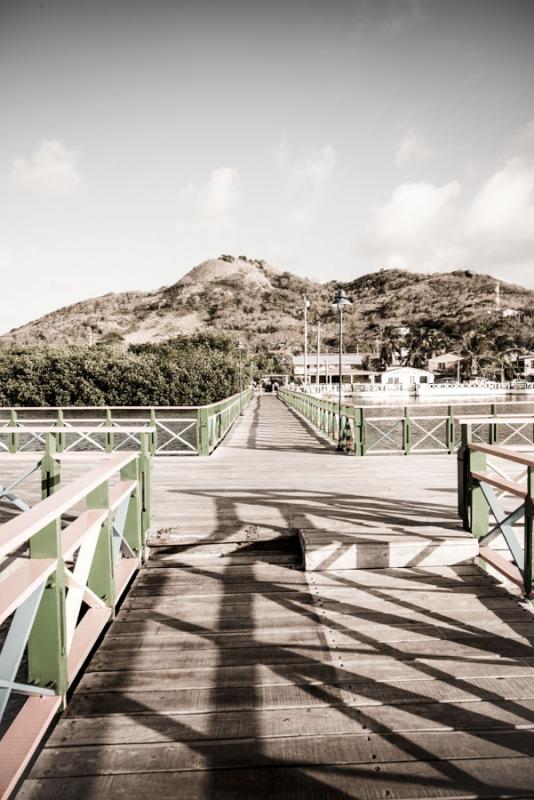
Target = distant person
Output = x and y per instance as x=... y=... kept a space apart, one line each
x=275 y=386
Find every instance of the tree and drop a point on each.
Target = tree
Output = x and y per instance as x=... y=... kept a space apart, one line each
x=475 y=353
x=390 y=345
x=424 y=343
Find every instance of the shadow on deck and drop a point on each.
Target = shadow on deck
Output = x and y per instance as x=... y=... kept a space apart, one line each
x=229 y=672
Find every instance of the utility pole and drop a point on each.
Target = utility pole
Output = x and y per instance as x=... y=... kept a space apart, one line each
x=306 y=307
x=318 y=352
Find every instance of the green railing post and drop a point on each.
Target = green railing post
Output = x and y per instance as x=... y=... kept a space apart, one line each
x=50 y=467
x=47 y=652
x=154 y=434
x=529 y=526
x=145 y=478
x=463 y=474
x=203 y=445
x=479 y=520
x=493 y=428
x=133 y=532
x=358 y=431
x=109 y=436
x=450 y=433
x=406 y=432
x=14 y=438
x=350 y=432
x=60 y=435
x=101 y=576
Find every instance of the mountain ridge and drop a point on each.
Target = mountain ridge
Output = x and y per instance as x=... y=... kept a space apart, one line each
x=253 y=299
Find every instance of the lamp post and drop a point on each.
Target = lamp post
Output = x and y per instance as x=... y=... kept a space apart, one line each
x=306 y=307
x=240 y=347
x=341 y=301
x=318 y=353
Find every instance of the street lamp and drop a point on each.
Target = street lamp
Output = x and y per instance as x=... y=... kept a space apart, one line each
x=306 y=307
x=341 y=301
x=240 y=347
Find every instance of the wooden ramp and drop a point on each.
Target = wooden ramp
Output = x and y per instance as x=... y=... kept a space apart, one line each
x=230 y=672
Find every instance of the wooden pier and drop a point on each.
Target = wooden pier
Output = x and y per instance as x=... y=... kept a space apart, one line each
x=230 y=672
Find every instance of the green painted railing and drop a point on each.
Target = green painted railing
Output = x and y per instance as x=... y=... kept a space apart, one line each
x=488 y=506
x=384 y=430
x=66 y=561
x=175 y=430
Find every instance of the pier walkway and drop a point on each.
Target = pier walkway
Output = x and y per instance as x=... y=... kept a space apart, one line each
x=229 y=672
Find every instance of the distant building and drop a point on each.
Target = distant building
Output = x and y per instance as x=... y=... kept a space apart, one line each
x=405 y=376
x=444 y=363
x=352 y=368
x=528 y=365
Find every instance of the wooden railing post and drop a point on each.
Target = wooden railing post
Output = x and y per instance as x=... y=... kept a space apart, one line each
x=529 y=526
x=50 y=467
x=463 y=474
x=450 y=433
x=493 y=428
x=358 y=431
x=109 y=436
x=479 y=518
x=14 y=438
x=145 y=478
x=47 y=650
x=60 y=435
x=406 y=432
x=102 y=575
x=203 y=445
x=154 y=434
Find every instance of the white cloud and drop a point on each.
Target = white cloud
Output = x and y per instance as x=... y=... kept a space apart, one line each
x=210 y=205
x=412 y=147
x=305 y=177
x=310 y=173
x=52 y=170
x=426 y=227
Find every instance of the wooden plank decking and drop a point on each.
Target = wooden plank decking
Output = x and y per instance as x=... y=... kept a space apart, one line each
x=231 y=673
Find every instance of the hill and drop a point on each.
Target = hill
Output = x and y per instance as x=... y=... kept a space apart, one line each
x=250 y=298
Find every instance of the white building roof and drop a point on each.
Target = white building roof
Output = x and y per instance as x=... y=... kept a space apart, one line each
x=331 y=358
x=407 y=371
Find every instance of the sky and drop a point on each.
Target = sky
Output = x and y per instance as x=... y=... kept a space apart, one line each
x=141 y=137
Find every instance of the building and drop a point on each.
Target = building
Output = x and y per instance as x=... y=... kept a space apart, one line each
x=352 y=368
x=528 y=365
x=445 y=363
x=407 y=377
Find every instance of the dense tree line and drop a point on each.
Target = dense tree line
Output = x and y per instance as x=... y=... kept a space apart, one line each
x=183 y=371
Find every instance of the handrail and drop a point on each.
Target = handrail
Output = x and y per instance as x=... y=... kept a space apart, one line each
x=410 y=430
x=61 y=592
x=17 y=531
x=478 y=478
x=175 y=430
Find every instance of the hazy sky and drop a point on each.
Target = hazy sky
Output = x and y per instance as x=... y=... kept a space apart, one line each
x=138 y=138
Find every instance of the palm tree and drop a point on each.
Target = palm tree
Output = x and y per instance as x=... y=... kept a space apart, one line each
x=504 y=351
x=424 y=343
x=475 y=352
x=390 y=345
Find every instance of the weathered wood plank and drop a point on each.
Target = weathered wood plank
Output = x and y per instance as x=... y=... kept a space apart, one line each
x=246 y=753
x=266 y=723
x=235 y=698
x=500 y=777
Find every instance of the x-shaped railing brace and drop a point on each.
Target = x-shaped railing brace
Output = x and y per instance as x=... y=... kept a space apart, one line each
x=14 y=646
x=176 y=436
x=384 y=434
x=6 y=492
x=428 y=434
x=503 y=525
